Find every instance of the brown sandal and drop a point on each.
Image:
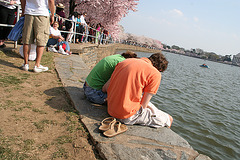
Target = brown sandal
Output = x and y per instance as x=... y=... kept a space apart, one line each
x=106 y=123
x=115 y=129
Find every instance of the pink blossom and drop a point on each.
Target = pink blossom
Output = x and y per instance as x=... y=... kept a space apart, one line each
x=106 y=12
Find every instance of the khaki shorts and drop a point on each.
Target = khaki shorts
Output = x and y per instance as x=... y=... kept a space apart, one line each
x=36 y=28
x=151 y=116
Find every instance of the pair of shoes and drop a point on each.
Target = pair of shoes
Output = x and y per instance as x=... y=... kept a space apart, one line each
x=52 y=49
x=112 y=127
x=3 y=46
x=25 y=67
x=40 y=69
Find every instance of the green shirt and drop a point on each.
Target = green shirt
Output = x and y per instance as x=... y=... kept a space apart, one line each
x=103 y=70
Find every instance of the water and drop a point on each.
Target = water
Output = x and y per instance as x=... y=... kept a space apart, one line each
x=205 y=104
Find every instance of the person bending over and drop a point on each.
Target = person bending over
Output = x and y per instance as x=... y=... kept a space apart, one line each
x=132 y=85
x=100 y=74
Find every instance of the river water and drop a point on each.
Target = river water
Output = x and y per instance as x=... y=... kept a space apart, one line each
x=204 y=103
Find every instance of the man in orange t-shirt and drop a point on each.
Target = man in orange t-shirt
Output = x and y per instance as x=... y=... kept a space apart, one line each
x=132 y=85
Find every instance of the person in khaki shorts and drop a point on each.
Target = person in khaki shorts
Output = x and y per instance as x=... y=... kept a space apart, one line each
x=36 y=28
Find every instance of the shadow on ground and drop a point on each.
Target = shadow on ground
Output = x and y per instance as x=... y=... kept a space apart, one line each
x=79 y=101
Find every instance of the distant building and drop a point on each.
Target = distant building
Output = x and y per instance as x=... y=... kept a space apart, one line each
x=236 y=59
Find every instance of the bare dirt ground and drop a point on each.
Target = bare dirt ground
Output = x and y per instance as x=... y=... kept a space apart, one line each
x=37 y=120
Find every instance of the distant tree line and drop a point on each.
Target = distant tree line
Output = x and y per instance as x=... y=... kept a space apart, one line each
x=199 y=53
x=156 y=44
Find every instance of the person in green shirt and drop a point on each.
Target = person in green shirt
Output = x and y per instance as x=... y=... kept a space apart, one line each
x=100 y=74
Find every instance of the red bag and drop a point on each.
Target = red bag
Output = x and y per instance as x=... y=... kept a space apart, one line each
x=63 y=46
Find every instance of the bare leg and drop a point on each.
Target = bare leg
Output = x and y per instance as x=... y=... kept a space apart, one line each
x=39 y=50
x=171 y=120
x=26 y=52
x=1 y=42
x=69 y=52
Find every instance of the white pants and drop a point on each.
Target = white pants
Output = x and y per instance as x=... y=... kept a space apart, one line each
x=150 y=116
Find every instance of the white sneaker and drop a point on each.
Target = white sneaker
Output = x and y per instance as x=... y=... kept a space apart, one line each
x=25 y=67
x=40 y=69
x=52 y=49
x=61 y=50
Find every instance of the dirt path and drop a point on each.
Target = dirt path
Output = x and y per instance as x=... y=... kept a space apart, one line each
x=37 y=118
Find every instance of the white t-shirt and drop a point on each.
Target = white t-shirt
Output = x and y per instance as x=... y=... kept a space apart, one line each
x=54 y=32
x=37 y=7
x=83 y=22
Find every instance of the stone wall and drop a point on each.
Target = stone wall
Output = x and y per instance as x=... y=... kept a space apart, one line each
x=93 y=54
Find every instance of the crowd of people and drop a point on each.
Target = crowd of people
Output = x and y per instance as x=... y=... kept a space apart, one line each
x=59 y=41
x=86 y=32
x=59 y=34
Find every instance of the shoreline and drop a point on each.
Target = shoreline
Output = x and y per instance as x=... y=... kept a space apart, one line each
x=200 y=58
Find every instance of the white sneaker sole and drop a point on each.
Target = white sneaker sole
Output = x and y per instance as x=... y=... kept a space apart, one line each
x=39 y=70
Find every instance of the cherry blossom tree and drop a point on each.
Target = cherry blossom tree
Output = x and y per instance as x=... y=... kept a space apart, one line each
x=106 y=12
x=142 y=40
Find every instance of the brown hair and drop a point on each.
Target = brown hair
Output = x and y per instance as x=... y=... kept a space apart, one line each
x=129 y=54
x=56 y=23
x=159 y=61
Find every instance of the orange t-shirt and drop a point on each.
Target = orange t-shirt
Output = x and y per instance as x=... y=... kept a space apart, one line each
x=129 y=80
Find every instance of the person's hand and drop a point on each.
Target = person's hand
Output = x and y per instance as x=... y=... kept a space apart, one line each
x=61 y=38
x=13 y=2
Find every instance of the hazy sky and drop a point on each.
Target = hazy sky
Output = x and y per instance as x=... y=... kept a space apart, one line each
x=211 y=25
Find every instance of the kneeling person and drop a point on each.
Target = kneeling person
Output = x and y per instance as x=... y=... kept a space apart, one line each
x=132 y=85
x=100 y=74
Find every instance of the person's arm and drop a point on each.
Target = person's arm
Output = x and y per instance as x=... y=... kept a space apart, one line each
x=146 y=99
x=106 y=85
x=57 y=37
x=23 y=4
x=51 y=5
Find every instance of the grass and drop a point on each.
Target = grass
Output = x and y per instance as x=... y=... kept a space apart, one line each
x=28 y=144
x=15 y=105
x=38 y=111
x=10 y=80
x=9 y=154
x=6 y=153
x=43 y=123
x=27 y=109
x=44 y=146
x=60 y=153
x=64 y=139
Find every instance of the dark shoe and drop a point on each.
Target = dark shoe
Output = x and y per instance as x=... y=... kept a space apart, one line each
x=3 y=46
